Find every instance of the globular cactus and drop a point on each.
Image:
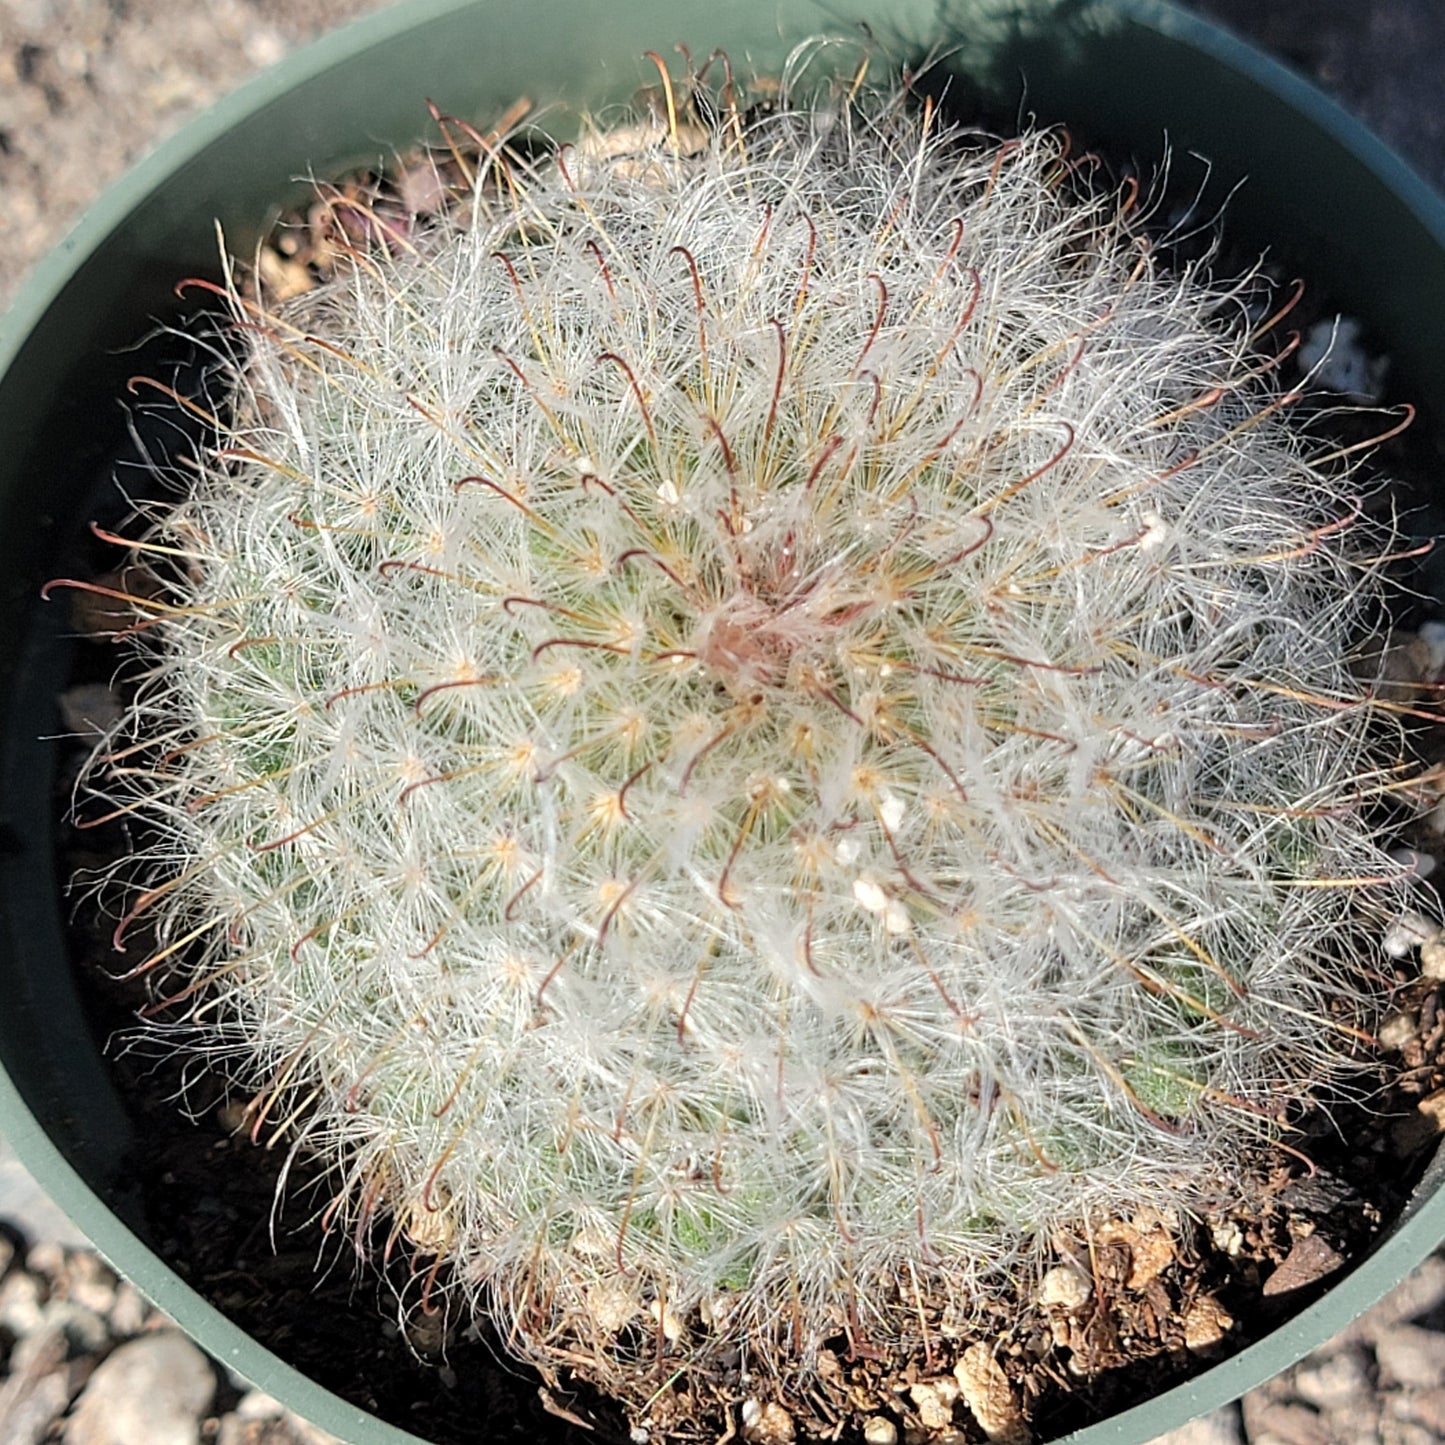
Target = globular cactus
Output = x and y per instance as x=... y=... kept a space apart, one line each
x=754 y=727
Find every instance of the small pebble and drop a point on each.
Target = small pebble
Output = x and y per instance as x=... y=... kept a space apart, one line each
x=767 y=1424
x=29 y=1406
x=1432 y=637
x=89 y=1283
x=258 y=1405
x=153 y=1390
x=879 y=1430
x=1406 y=1432
x=613 y=1306
x=1411 y=1356
x=1278 y=1423
x=233 y=1430
x=1065 y=1287
x=1332 y=1378
x=1333 y=356
x=427 y=1333
x=934 y=1401
x=1206 y=1323
x=1396 y=1030
x=663 y=1317
x=1422 y=1407
x=989 y=1396
x=1432 y=959
x=84 y=1331
x=91 y=709
x=22 y=1297
x=1422 y=865
x=233 y=1116
x=1227 y=1237
x=1407 y=933
x=1421 y=1293
x=128 y=1313
x=422 y=190
x=282 y=1429
x=47 y=1258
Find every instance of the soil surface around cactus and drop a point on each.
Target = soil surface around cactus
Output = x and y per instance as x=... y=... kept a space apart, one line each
x=1166 y=1298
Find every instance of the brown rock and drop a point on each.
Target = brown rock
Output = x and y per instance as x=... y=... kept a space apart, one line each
x=105 y=614
x=1400 y=666
x=90 y=709
x=1310 y=1258
x=989 y=1396
x=1206 y=1323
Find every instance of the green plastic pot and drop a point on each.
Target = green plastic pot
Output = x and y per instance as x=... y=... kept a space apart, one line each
x=1126 y=73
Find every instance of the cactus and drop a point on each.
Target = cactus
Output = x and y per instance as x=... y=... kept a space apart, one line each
x=752 y=728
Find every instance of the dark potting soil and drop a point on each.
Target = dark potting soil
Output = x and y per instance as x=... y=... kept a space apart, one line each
x=212 y=1210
